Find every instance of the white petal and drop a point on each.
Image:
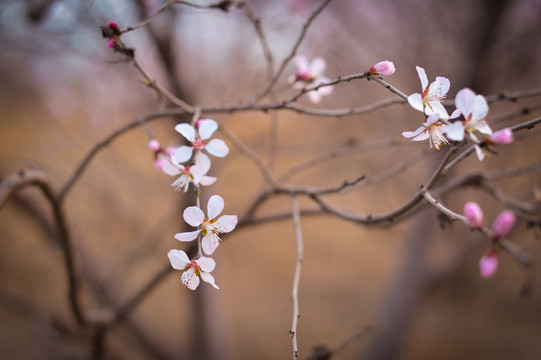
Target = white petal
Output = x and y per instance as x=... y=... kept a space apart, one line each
x=440 y=87
x=189 y=279
x=206 y=264
x=194 y=216
x=422 y=75
x=480 y=108
x=207 y=180
x=187 y=236
x=202 y=161
x=422 y=136
x=207 y=128
x=169 y=168
x=436 y=107
x=210 y=243
x=187 y=131
x=301 y=62
x=217 y=148
x=416 y=101
x=183 y=153
x=410 y=134
x=455 y=131
x=178 y=259
x=215 y=206
x=197 y=173
x=480 y=152
x=464 y=101
x=432 y=119
x=208 y=278
x=455 y=114
x=226 y=223
x=317 y=67
x=485 y=129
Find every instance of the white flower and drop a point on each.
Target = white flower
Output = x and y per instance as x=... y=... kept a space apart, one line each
x=310 y=75
x=430 y=100
x=202 y=267
x=188 y=174
x=474 y=108
x=208 y=226
x=198 y=139
x=431 y=129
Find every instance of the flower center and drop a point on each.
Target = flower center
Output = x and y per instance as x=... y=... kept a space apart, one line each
x=198 y=144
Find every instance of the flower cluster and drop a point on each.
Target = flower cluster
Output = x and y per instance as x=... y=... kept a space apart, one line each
x=501 y=228
x=472 y=107
x=195 y=173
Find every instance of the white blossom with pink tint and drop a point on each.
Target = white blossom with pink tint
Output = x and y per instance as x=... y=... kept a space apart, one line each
x=209 y=227
x=474 y=108
x=473 y=214
x=310 y=74
x=198 y=139
x=502 y=137
x=382 y=68
x=488 y=265
x=429 y=101
x=188 y=174
x=504 y=224
x=193 y=268
x=431 y=129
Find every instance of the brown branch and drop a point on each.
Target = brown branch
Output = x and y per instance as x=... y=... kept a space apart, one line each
x=17 y=181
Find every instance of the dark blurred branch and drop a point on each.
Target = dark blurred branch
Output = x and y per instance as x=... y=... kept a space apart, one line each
x=17 y=181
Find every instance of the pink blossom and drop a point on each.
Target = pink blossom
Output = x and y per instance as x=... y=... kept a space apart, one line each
x=202 y=267
x=501 y=137
x=488 y=265
x=504 y=224
x=310 y=75
x=429 y=101
x=188 y=174
x=431 y=129
x=382 y=68
x=474 y=108
x=198 y=142
x=209 y=227
x=473 y=214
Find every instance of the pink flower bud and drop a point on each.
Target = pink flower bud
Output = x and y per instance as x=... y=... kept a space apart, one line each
x=154 y=145
x=382 y=68
x=501 y=137
x=158 y=163
x=473 y=214
x=488 y=265
x=111 y=43
x=113 y=25
x=503 y=225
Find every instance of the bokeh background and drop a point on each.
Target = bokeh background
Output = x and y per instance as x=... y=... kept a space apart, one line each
x=406 y=291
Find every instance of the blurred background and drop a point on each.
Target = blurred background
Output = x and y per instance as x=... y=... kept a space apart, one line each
x=407 y=291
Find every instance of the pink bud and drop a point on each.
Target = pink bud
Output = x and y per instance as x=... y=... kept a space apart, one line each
x=154 y=145
x=503 y=225
x=501 y=137
x=488 y=265
x=382 y=68
x=473 y=214
x=111 y=43
x=113 y=25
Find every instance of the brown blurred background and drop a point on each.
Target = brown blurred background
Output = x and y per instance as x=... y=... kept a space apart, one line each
x=413 y=286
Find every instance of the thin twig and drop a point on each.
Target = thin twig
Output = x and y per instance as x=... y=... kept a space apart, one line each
x=296 y=276
x=286 y=61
